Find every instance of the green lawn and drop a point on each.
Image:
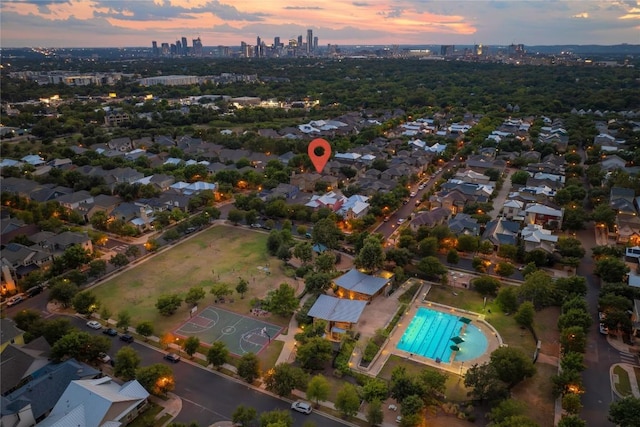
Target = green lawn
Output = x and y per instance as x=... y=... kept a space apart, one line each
x=624 y=383
x=219 y=254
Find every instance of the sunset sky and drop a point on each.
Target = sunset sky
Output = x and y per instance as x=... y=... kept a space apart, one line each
x=120 y=23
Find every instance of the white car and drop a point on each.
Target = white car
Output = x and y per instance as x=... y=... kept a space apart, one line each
x=421 y=186
x=603 y=329
x=301 y=406
x=401 y=221
x=413 y=194
x=15 y=300
x=94 y=324
x=104 y=357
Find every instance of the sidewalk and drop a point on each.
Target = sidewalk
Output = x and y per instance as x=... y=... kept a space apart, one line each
x=633 y=380
x=172 y=406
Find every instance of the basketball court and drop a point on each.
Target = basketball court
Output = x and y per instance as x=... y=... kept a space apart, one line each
x=240 y=334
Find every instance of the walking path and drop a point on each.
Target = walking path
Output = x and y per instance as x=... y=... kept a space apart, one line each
x=499 y=200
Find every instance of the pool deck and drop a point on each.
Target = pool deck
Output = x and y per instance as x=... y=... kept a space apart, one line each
x=494 y=340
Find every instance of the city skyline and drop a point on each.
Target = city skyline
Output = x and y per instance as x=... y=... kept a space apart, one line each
x=114 y=23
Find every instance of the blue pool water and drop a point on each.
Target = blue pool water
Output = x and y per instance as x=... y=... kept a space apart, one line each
x=429 y=335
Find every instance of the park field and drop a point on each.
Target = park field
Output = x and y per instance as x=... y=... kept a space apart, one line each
x=219 y=254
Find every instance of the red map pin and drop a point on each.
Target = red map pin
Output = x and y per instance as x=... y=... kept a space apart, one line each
x=319 y=160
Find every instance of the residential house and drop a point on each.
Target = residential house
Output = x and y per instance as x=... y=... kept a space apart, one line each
x=74 y=200
x=307 y=181
x=331 y=200
x=20 y=260
x=613 y=162
x=354 y=207
x=481 y=164
x=58 y=243
x=536 y=237
x=44 y=387
x=501 y=231
x=11 y=334
x=123 y=144
x=98 y=402
x=33 y=160
x=537 y=213
x=430 y=218
x=13 y=227
x=356 y=285
x=116 y=118
x=464 y=224
x=101 y=203
x=471 y=177
x=340 y=315
x=20 y=361
x=512 y=209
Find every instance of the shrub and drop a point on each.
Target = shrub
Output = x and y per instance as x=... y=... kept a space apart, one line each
x=370 y=351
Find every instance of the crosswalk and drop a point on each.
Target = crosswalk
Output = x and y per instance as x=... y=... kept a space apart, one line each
x=626 y=357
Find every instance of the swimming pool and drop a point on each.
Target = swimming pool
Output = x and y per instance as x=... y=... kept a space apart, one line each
x=430 y=332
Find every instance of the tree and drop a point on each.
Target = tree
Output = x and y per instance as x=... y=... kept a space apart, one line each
x=508 y=251
x=453 y=257
x=194 y=295
x=157 y=379
x=570 y=247
x=432 y=384
x=242 y=287
x=371 y=256
x=145 y=329
x=326 y=232
x=82 y=346
x=276 y=418
x=604 y=214
x=218 y=354
x=486 y=285
x=505 y=269
x=574 y=218
x=63 y=292
x=374 y=414
x=168 y=304
x=124 y=320
x=575 y=317
x=325 y=262
x=467 y=243
x=511 y=365
x=505 y=409
x=611 y=270
x=85 y=303
x=127 y=362
x=537 y=288
x=374 y=389
x=244 y=415
x=221 y=290
x=431 y=267
x=97 y=267
x=191 y=345
x=507 y=299
x=625 y=412
x=571 y=421
x=520 y=177
x=132 y=251
x=235 y=216
x=119 y=260
x=249 y=367
x=573 y=339
x=411 y=405
x=318 y=389
x=283 y=378
x=571 y=403
x=303 y=251
x=347 y=400
x=572 y=361
x=317 y=282
x=402 y=384
x=314 y=353
x=53 y=330
x=282 y=301
x=525 y=315
x=485 y=384
x=75 y=256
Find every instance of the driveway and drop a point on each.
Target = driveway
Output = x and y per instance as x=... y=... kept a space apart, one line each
x=498 y=202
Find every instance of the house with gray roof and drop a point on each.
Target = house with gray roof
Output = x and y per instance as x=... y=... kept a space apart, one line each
x=98 y=402
x=10 y=333
x=430 y=218
x=501 y=232
x=20 y=260
x=464 y=224
x=19 y=362
x=537 y=213
x=356 y=285
x=341 y=315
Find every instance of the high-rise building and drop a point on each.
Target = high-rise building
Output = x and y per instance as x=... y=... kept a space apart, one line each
x=185 y=46
x=165 y=49
x=178 y=47
x=276 y=42
x=300 y=42
x=154 y=48
x=447 y=49
x=309 y=41
x=197 y=47
x=478 y=50
x=315 y=44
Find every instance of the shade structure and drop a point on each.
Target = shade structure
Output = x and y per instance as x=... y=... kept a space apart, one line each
x=457 y=340
x=465 y=320
x=454 y=348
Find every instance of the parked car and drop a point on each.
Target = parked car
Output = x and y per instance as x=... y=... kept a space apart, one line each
x=413 y=194
x=104 y=357
x=33 y=291
x=418 y=202
x=301 y=406
x=111 y=332
x=256 y=225
x=15 y=300
x=421 y=186
x=603 y=329
x=172 y=357
x=401 y=221
x=601 y=316
x=94 y=324
x=126 y=338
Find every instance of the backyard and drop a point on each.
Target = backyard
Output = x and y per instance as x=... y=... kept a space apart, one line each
x=221 y=254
